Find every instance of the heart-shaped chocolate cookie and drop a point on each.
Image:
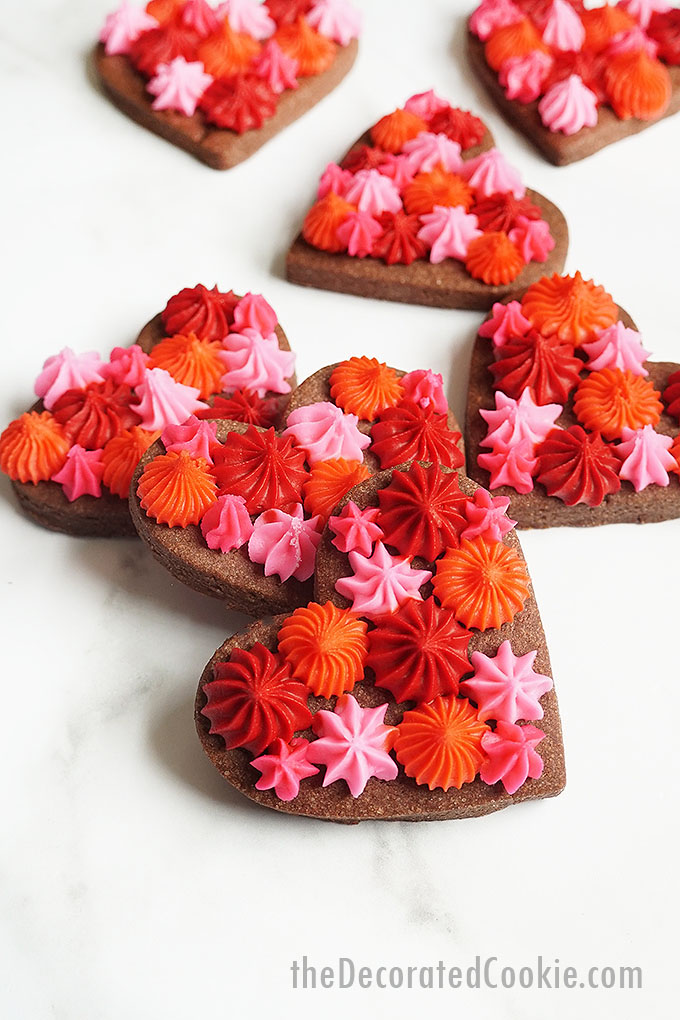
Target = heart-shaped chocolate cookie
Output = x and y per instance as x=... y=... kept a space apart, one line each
x=220 y=82
x=236 y=511
x=424 y=209
x=71 y=457
x=566 y=417
x=575 y=80
x=397 y=694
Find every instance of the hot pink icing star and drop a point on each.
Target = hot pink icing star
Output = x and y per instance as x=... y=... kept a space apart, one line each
x=335 y=179
x=256 y=362
x=398 y=168
x=283 y=768
x=642 y=10
x=515 y=420
x=201 y=17
x=325 y=432
x=563 y=29
x=487 y=516
x=490 y=174
x=226 y=525
x=426 y=389
x=126 y=365
x=67 y=371
x=380 y=582
x=336 y=19
x=425 y=104
x=163 y=401
x=254 y=312
x=250 y=17
x=505 y=686
x=617 y=347
x=373 y=193
x=631 y=41
x=448 y=231
x=506 y=323
x=356 y=530
x=277 y=68
x=523 y=77
x=358 y=233
x=532 y=238
x=179 y=85
x=285 y=543
x=514 y=467
x=568 y=106
x=123 y=27
x=512 y=757
x=646 y=458
x=82 y=473
x=196 y=436
x=428 y=150
x=353 y=744
x=492 y=15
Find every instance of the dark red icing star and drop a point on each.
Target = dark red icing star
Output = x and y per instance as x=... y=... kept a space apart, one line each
x=672 y=395
x=500 y=211
x=242 y=405
x=161 y=45
x=422 y=511
x=460 y=125
x=363 y=157
x=664 y=29
x=419 y=652
x=207 y=313
x=545 y=364
x=410 y=432
x=95 y=414
x=253 y=700
x=266 y=469
x=578 y=466
x=399 y=241
x=241 y=103
x=539 y=9
x=285 y=12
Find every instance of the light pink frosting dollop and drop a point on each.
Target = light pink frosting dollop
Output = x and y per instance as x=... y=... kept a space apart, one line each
x=123 y=27
x=325 y=432
x=512 y=757
x=642 y=10
x=380 y=582
x=356 y=530
x=448 y=231
x=227 y=525
x=197 y=437
x=126 y=365
x=179 y=85
x=335 y=179
x=646 y=458
x=67 y=371
x=428 y=150
x=492 y=15
x=490 y=174
x=374 y=193
x=336 y=19
x=285 y=544
x=487 y=516
x=514 y=467
x=398 y=168
x=532 y=238
x=425 y=104
x=256 y=362
x=563 y=29
x=284 y=767
x=250 y=17
x=617 y=347
x=163 y=401
x=523 y=77
x=82 y=473
x=568 y=106
x=506 y=323
x=352 y=744
x=254 y=312
x=277 y=68
x=505 y=686
x=358 y=233
x=425 y=388
x=515 y=420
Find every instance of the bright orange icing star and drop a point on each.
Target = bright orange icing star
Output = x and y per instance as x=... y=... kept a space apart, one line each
x=329 y=481
x=569 y=306
x=365 y=387
x=226 y=52
x=33 y=448
x=314 y=52
x=320 y=228
x=637 y=86
x=440 y=743
x=393 y=131
x=675 y=452
x=175 y=489
x=484 y=584
x=494 y=259
x=602 y=23
x=436 y=188
x=515 y=40
x=121 y=456
x=326 y=647
x=191 y=361
x=609 y=400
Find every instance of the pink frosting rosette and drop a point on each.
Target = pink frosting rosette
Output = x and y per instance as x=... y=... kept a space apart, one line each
x=67 y=371
x=227 y=525
x=197 y=437
x=353 y=744
x=81 y=474
x=506 y=323
x=123 y=27
x=448 y=231
x=617 y=347
x=373 y=193
x=356 y=530
x=325 y=432
x=256 y=362
x=336 y=19
x=163 y=401
x=277 y=68
x=380 y=582
x=428 y=150
x=491 y=173
x=285 y=544
x=568 y=106
x=179 y=85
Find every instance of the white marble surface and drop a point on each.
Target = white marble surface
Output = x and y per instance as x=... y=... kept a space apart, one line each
x=133 y=883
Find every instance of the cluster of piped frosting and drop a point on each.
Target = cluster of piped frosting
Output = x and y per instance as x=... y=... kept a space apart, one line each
x=563 y=356
x=271 y=494
x=408 y=193
x=572 y=60
x=232 y=62
x=320 y=695
x=98 y=417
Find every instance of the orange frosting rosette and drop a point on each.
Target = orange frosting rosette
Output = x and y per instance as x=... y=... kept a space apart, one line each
x=191 y=361
x=33 y=447
x=440 y=743
x=165 y=10
x=325 y=647
x=314 y=52
x=515 y=40
x=177 y=490
x=572 y=308
x=121 y=455
x=637 y=86
x=392 y=132
x=610 y=400
x=494 y=259
x=226 y=52
x=329 y=481
x=439 y=187
x=365 y=387
x=603 y=23
x=320 y=228
x=484 y=584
